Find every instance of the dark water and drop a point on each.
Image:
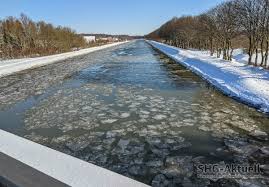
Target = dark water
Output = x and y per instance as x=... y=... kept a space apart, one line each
x=134 y=111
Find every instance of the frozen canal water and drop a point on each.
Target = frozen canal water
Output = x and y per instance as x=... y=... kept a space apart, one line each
x=134 y=111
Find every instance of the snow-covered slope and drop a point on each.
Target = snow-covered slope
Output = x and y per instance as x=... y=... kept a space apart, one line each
x=8 y=67
x=246 y=83
x=240 y=56
x=65 y=168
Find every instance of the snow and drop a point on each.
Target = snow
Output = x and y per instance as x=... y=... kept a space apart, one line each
x=8 y=67
x=246 y=83
x=65 y=168
x=239 y=56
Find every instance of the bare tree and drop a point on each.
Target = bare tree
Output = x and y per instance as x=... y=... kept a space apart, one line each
x=208 y=31
x=263 y=31
x=24 y=37
x=249 y=15
x=227 y=22
x=219 y=29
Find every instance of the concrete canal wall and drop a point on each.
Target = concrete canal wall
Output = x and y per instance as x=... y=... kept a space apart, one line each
x=64 y=169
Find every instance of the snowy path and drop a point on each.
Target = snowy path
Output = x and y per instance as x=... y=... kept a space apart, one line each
x=8 y=67
x=246 y=83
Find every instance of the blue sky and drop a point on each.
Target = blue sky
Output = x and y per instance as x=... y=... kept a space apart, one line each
x=135 y=17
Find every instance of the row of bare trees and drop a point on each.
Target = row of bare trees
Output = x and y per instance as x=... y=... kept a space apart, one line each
x=223 y=28
x=20 y=37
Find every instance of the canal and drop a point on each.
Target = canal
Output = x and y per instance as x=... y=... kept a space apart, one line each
x=134 y=111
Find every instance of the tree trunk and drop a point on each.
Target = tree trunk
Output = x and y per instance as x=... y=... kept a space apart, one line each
x=219 y=53
x=262 y=54
x=228 y=50
x=224 y=51
x=231 y=52
x=250 y=50
x=211 y=47
x=256 y=58
x=266 y=53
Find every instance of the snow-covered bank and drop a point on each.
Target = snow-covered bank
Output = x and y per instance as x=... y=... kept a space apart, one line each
x=240 y=56
x=246 y=83
x=62 y=167
x=8 y=67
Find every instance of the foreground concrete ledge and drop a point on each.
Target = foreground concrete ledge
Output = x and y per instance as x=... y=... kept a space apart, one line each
x=14 y=173
x=8 y=67
x=61 y=167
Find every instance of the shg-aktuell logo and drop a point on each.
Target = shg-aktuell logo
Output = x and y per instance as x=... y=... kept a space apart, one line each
x=239 y=171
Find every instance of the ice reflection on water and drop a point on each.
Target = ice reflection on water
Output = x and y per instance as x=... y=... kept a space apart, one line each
x=135 y=112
